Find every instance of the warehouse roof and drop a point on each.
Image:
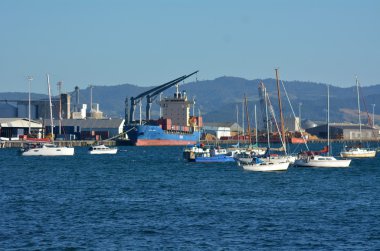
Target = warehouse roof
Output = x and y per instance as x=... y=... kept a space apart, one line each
x=88 y=123
x=219 y=124
x=19 y=123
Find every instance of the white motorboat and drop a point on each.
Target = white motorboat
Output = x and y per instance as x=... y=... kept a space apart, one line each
x=321 y=161
x=102 y=149
x=356 y=152
x=46 y=149
x=262 y=166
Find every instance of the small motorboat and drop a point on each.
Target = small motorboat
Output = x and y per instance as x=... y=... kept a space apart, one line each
x=102 y=149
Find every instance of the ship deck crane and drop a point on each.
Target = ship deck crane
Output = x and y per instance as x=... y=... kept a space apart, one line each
x=150 y=95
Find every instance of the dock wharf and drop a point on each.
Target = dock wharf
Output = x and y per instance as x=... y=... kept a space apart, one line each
x=79 y=143
x=310 y=141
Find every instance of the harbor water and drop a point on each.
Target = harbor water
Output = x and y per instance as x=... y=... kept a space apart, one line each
x=149 y=198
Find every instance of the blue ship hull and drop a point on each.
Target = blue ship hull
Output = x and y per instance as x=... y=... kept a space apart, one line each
x=154 y=135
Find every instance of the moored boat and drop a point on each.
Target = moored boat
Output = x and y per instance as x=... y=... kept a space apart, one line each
x=321 y=161
x=102 y=149
x=45 y=149
x=314 y=158
x=357 y=152
x=175 y=126
x=200 y=153
x=259 y=165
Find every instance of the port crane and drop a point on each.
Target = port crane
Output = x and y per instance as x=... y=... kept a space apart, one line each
x=150 y=96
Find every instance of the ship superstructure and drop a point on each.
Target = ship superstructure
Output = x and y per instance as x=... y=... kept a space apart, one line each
x=175 y=125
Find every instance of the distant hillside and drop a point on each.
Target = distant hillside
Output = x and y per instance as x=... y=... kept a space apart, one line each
x=217 y=99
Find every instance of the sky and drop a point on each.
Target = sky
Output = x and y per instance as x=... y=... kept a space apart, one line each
x=147 y=43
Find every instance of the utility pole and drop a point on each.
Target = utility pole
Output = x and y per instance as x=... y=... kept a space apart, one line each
x=373 y=115
x=91 y=98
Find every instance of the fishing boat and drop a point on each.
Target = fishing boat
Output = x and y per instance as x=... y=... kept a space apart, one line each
x=47 y=149
x=201 y=153
x=315 y=159
x=358 y=151
x=102 y=149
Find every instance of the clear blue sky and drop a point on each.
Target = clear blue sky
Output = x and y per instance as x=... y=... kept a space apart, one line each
x=146 y=43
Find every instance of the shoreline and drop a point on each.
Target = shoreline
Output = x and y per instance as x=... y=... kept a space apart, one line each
x=88 y=143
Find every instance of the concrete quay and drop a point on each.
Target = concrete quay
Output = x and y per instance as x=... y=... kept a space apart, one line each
x=79 y=143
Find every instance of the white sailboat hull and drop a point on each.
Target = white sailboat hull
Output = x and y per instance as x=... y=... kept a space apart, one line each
x=51 y=151
x=266 y=167
x=280 y=159
x=322 y=163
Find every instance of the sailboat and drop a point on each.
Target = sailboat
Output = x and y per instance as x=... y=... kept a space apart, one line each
x=314 y=159
x=266 y=165
x=47 y=149
x=358 y=151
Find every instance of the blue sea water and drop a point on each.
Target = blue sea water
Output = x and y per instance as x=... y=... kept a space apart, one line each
x=149 y=198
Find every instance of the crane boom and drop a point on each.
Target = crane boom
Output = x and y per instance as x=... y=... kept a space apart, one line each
x=150 y=94
x=151 y=97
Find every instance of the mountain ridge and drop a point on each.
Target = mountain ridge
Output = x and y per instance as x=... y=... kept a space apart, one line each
x=217 y=99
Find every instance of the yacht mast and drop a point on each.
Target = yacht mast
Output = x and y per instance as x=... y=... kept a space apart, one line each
x=256 y=127
x=30 y=78
x=360 y=121
x=328 y=120
x=266 y=114
x=247 y=117
x=51 y=108
x=280 y=108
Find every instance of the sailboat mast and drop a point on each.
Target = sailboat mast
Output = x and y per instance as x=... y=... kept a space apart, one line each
x=280 y=108
x=266 y=114
x=242 y=118
x=256 y=127
x=328 y=119
x=247 y=117
x=360 y=120
x=51 y=108
x=237 y=121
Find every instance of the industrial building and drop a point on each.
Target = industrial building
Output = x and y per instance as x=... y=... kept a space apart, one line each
x=292 y=124
x=83 y=129
x=62 y=107
x=344 y=131
x=14 y=128
x=222 y=129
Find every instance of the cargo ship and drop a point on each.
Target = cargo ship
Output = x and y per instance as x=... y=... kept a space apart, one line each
x=175 y=127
